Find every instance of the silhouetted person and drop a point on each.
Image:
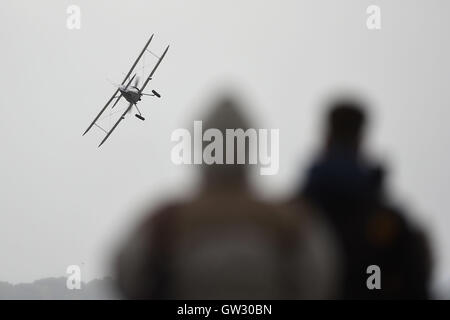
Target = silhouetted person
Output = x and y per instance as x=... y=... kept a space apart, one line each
x=350 y=192
x=226 y=244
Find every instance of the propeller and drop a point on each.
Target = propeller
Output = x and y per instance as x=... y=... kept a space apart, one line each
x=113 y=83
x=129 y=82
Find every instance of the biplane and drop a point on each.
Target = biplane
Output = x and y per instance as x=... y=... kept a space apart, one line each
x=131 y=92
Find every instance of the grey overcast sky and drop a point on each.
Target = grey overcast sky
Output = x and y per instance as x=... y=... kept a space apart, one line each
x=63 y=201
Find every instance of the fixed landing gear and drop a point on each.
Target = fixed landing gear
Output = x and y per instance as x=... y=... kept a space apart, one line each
x=139 y=117
x=156 y=94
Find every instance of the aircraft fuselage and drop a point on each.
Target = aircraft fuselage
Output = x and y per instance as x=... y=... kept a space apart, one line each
x=131 y=94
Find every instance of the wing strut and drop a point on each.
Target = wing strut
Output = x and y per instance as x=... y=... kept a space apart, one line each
x=116 y=124
x=154 y=70
x=101 y=111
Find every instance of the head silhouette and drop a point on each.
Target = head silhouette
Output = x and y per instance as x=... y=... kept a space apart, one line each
x=345 y=123
x=226 y=114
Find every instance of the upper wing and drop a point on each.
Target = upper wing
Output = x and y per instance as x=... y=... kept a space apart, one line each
x=124 y=80
x=154 y=70
x=116 y=124
x=137 y=60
